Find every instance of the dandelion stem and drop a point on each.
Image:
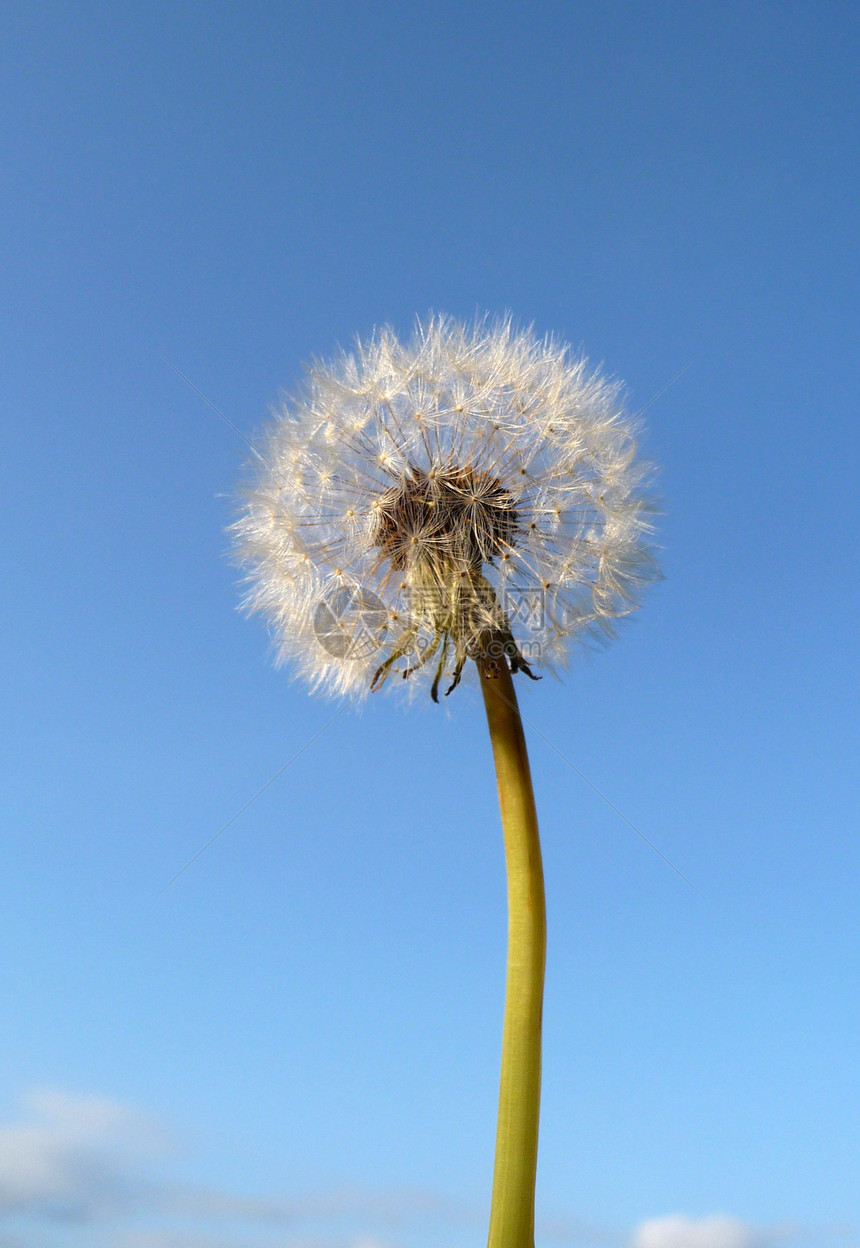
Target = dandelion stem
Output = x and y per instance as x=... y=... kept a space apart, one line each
x=512 y=1209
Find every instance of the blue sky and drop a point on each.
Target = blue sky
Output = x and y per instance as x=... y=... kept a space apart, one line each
x=295 y=1044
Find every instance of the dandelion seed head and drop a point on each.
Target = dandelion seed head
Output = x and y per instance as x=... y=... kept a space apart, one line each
x=471 y=493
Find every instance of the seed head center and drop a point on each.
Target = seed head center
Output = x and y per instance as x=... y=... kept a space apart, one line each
x=456 y=513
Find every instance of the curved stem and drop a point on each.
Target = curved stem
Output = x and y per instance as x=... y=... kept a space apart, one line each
x=512 y=1209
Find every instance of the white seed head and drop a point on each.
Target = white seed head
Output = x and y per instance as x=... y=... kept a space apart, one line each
x=472 y=493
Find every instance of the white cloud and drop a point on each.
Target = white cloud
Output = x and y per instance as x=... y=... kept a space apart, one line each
x=70 y=1162
x=678 y=1231
x=173 y=1239
x=89 y=1160
x=71 y=1157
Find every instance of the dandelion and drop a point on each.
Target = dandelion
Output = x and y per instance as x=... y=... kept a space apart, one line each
x=467 y=501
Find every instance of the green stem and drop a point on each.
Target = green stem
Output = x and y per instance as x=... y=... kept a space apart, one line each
x=513 y=1206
